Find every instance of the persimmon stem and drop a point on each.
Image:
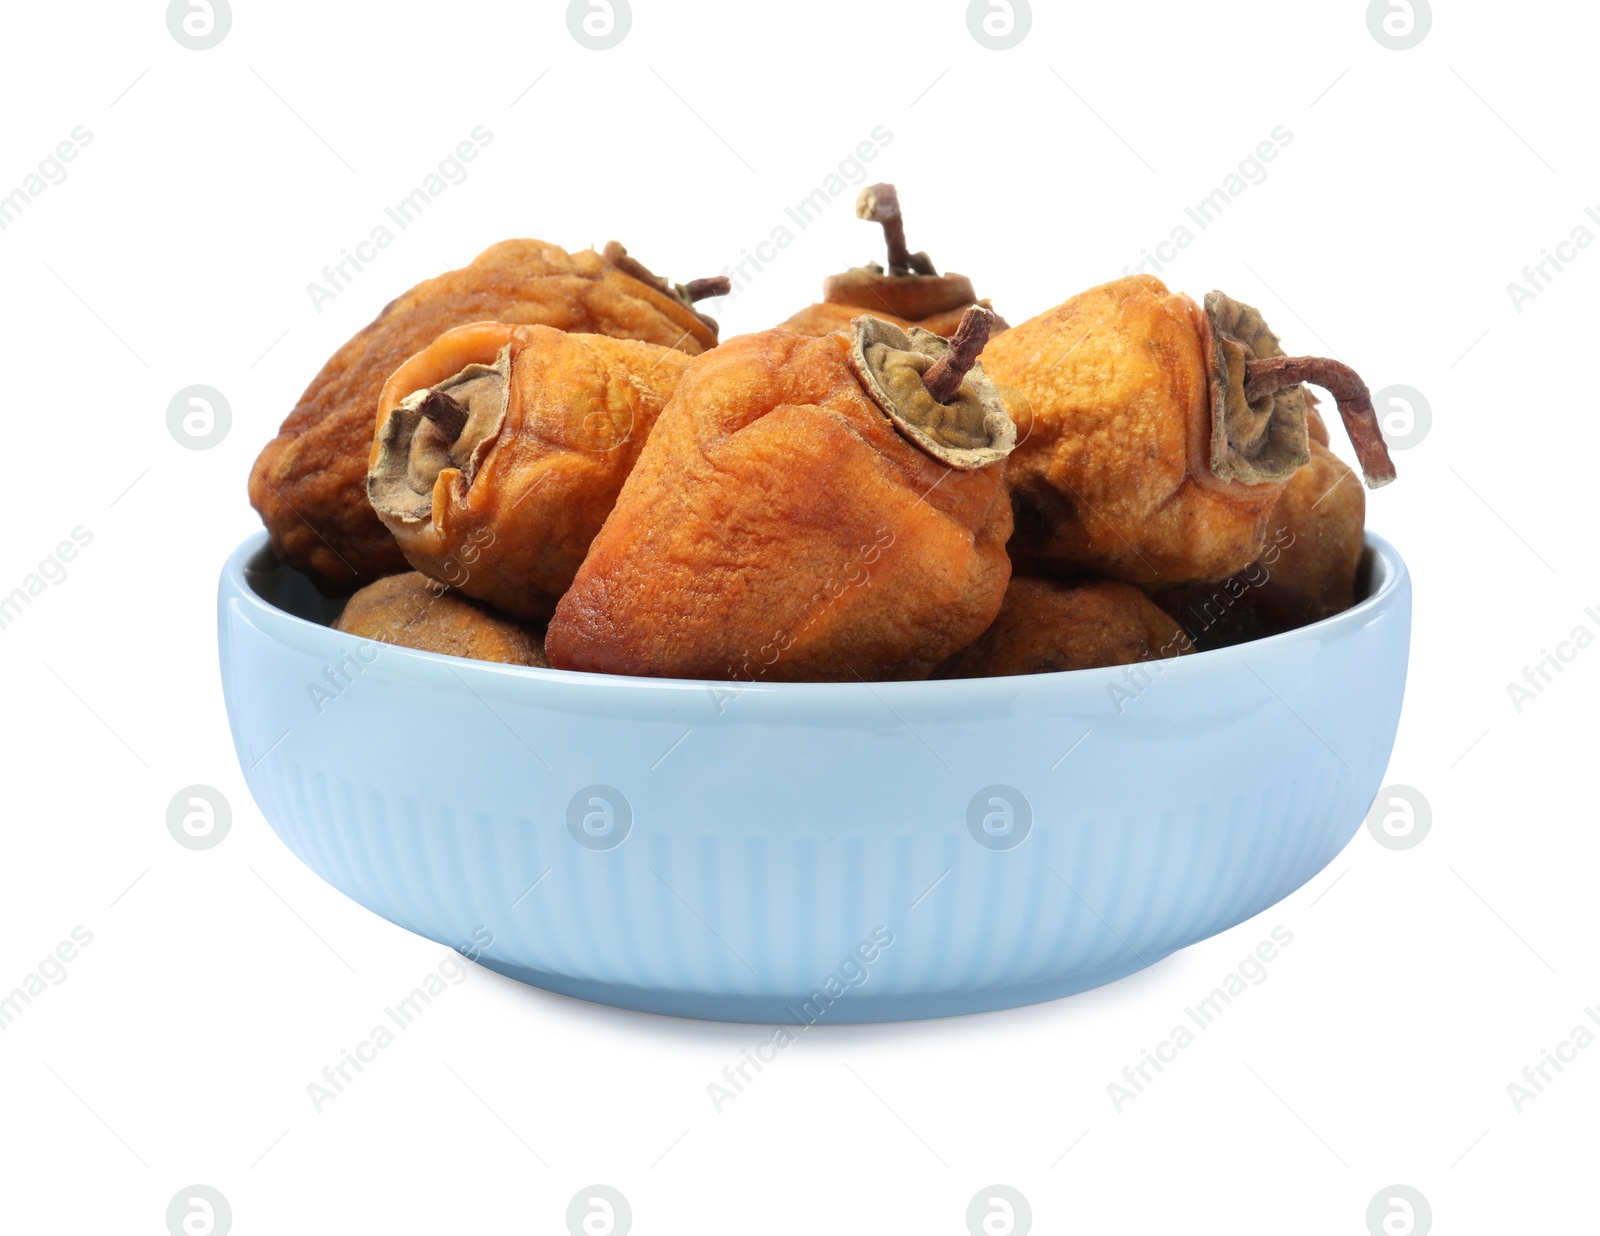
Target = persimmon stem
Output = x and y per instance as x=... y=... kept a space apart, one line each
x=445 y=411
x=1269 y=375
x=943 y=377
x=713 y=285
x=881 y=204
x=688 y=293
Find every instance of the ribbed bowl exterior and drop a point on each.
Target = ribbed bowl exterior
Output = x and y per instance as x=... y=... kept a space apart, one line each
x=811 y=852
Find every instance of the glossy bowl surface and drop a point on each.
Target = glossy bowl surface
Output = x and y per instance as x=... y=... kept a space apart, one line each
x=823 y=852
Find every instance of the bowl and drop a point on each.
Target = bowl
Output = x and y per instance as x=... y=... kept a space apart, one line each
x=802 y=853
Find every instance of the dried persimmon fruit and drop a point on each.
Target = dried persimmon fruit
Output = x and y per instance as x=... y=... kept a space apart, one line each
x=499 y=451
x=308 y=482
x=823 y=318
x=414 y=611
x=1307 y=571
x=1155 y=436
x=1315 y=530
x=909 y=292
x=806 y=509
x=1045 y=626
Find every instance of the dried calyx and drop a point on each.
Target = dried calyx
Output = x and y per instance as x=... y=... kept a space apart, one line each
x=451 y=424
x=911 y=288
x=686 y=293
x=934 y=391
x=1258 y=421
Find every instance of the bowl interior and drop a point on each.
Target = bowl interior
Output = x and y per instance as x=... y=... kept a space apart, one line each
x=287 y=589
x=293 y=593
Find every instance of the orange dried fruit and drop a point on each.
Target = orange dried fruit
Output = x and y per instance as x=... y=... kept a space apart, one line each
x=1308 y=569
x=784 y=524
x=414 y=611
x=1155 y=436
x=499 y=451
x=1045 y=626
x=308 y=482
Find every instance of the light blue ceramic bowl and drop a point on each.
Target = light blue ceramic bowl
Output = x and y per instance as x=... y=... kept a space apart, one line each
x=834 y=852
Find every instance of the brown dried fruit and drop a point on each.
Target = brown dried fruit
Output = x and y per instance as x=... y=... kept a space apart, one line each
x=780 y=526
x=308 y=483
x=824 y=319
x=1154 y=436
x=1323 y=510
x=687 y=294
x=1045 y=626
x=499 y=451
x=1307 y=571
x=414 y=611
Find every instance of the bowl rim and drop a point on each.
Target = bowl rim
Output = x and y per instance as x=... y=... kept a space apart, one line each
x=1381 y=561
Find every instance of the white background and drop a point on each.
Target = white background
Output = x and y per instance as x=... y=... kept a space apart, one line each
x=219 y=983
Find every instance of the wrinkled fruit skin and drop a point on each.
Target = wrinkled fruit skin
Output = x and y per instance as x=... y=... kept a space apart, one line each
x=579 y=410
x=308 y=483
x=778 y=528
x=1306 y=572
x=823 y=318
x=1111 y=475
x=414 y=612
x=1323 y=508
x=1046 y=626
